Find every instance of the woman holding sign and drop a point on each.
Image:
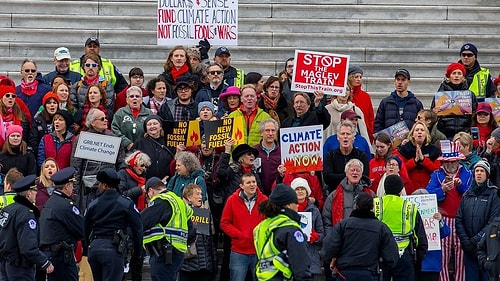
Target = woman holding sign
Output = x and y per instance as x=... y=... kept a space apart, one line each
x=304 y=115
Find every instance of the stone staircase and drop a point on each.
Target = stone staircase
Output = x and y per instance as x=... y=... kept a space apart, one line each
x=379 y=35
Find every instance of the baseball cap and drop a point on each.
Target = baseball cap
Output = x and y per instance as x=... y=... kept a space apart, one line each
x=92 y=40
x=62 y=53
x=403 y=72
x=222 y=50
x=349 y=114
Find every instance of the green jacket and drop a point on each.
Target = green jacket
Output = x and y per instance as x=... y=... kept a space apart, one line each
x=252 y=134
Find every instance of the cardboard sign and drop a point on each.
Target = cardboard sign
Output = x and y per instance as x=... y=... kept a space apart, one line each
x=302 y=148
x=218 y=131
x=396 y=132
x=315 y=71
x=188 y=22
x=495 y=106
x=98 y=147
x=453 y=102
x=201 y=220
x=306 y=223
x=427 y=207
x=182 y=132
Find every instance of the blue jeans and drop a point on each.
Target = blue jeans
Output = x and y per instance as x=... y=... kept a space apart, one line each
x=472 y=270
x=166 y=272
x=105 y=261
x=239 y=264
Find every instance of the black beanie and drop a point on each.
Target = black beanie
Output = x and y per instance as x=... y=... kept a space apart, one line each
x=393 y=184
x=282 y=195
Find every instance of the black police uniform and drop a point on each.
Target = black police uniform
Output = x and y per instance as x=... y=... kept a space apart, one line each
x=61 y=226
x=107 y=215
x=19 y=252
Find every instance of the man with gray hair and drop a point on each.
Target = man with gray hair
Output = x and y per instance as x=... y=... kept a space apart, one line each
x=269 y=157
x=215 y=86
x=335 y=161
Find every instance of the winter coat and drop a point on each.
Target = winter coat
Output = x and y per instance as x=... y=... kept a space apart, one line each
x=363 y=100
x=208 y=94
x=318 y=116
x=128 y=127
x=334 y=166
x=283 y=109
x=79 y=90
x=167 y=110
x=25 y=163
x=160 y=156
x=34 y=101
x=39 y=127
x=51 y=146
x=128 y=186
x=177 y=183
x=388 y=111
x=268 y=170
x=313 y=249
x=252 y=133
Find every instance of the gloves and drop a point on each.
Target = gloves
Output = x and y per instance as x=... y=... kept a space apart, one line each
x=470 y=248
x=204 y=46
x=314 y=237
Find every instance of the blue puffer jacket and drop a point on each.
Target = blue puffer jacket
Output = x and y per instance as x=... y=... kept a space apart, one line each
x=388 y=111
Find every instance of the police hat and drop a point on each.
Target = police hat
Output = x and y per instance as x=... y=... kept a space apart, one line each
x=64 y=176
x=108 y=176
x=24 y=184
x=153 y=182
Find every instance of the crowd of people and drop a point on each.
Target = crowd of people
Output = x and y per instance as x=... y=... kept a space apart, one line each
x=103 y=213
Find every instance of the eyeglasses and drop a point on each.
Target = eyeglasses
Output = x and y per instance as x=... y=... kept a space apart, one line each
x=184 y=89
x=392 y=165
x=467 y=55
x=274 y=87
x=91 y=64
x=135 y=96
x=30 y=70
x=214 y=72
x=102 y=118
x=144 y=166
x=11 y=96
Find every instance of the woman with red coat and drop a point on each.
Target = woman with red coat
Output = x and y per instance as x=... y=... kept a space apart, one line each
x=361 y=98
x=419 y=156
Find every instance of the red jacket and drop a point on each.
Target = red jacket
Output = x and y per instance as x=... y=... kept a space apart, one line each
x=363 y=100
x=63 y=155
x=238 y=223
x=377 y=170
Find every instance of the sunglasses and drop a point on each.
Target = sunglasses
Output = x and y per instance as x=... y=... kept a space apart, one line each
x=30 y=70
x=214 y=72
x=91 y=64
x=11 y=96
x=102 y=118
x=135 y=96
x=467 y=55
x=144 y=166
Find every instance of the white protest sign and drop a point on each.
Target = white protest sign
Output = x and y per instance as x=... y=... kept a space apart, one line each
x=97 y=147
x=186 y=22
x=427 y=207
x=306 y=223
x=302 y=148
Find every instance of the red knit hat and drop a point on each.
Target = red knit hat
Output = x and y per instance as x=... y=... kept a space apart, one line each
x=6 y=86
x=454 y=66
x=497 y=80
x=49 y=95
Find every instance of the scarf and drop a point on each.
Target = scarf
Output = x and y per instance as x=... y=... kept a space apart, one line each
x=29 y=89
x=303 y=205
x=478 y=188
x=91 y=81
x=340 y=107
x=176 y=73
x=86 y=109
x=135 y=112
x=246 y=170
x=338 y=204
x=155 y=105
x=271 y=105
x=140 y=182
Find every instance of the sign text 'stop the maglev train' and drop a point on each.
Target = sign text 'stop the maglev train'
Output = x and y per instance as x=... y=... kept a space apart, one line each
x=186 y=22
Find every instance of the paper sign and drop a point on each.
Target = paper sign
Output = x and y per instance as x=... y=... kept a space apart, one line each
x=201 y=220
x=188 y=22
x=315 y=71
x=396 y=132
x=427 y=207
x=98 y=147
x=302 y=148
x=453 y=102
x=306 y=223
x=182 y=132
x=495 y=106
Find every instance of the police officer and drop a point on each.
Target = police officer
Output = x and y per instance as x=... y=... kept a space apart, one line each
x=167 y=230
x=279 y=241
x=19 y=252
x=356 y=244
x=11 y=177
x=106 y=220
x=403 y=219
x=61 y=226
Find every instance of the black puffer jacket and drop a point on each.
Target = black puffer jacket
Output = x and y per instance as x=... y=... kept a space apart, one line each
x=206 y=254
x=128 y=186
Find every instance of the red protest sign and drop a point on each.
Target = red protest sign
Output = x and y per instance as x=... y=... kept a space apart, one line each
x=315 y=71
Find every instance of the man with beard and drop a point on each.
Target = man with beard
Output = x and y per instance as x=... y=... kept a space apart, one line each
x=449 y=184
x=232 y=76
x=215 y=86
x=478 y=77
x=62 y=59
x=183 y=107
